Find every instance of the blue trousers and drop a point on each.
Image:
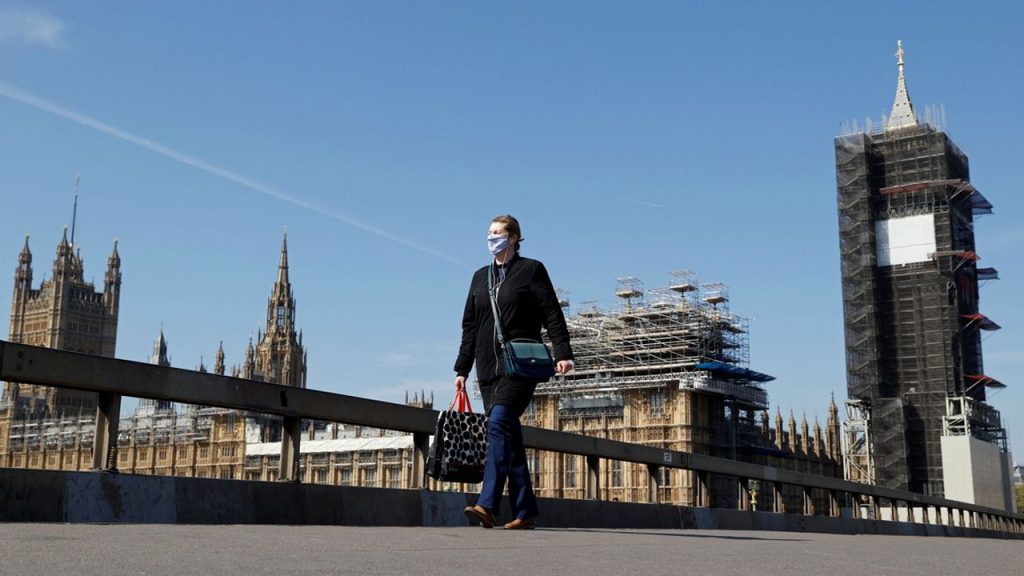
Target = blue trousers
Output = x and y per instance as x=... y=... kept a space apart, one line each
x=506 y=461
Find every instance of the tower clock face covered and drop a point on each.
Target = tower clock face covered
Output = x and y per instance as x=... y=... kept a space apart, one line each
x=905 y=240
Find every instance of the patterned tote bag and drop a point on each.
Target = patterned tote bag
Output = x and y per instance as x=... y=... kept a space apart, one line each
x=460 y=443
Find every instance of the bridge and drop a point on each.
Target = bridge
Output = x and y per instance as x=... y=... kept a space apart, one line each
x=104 y=497
x=318 y=550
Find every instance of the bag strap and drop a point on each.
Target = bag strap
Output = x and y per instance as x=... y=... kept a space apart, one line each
x=461 y=402
x=494 y=304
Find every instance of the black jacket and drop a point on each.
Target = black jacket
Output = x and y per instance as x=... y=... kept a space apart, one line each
x=526 y=302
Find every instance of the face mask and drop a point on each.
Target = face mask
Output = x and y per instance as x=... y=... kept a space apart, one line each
x=496 y=244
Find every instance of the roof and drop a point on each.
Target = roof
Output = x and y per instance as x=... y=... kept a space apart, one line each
x=333 y=446
x=734 y=371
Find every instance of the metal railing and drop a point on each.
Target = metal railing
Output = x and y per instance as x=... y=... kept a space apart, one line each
x=112 y=378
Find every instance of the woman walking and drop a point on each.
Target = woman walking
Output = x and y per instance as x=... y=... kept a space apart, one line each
x=525 y=301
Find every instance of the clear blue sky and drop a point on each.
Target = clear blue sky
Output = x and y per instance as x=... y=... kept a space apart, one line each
x=629 y=138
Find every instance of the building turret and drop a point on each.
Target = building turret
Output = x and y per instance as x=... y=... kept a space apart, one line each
x=218 y=366
x=249 y=366
x=792 y=442
x=23 y=275
x=112 y=282
x=149 y=406
x=805 y=436
x=159 y=355
x=279 y=356
x=62 y=263
x=816 y=445
x=281 y=305
x=779 y=431
x=832 y=447
x=22 y=292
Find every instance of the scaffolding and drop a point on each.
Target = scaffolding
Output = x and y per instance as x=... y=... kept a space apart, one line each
x=858 y=465
x=966 y=416
x=163 y=427
x=681 y=335
x=910 y=280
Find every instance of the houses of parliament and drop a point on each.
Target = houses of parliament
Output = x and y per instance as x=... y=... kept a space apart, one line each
x=51 y=428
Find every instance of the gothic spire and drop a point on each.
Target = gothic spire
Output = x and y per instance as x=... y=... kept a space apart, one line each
x=779 y=430
x=281 y=306
x=282 y=267
x=818 y=440
x=74 y=211
x=23 y=274
x=160 y=350
x=115 y=259
x=902 y=114
x=26 y=255
x=218 y=367
x=62 y=264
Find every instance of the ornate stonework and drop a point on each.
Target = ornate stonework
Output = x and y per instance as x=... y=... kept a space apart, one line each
x=67 y=313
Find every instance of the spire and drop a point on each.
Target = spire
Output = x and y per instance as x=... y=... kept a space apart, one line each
x=62 y=264
x=792 y=439
x=818 y=444
x=23 y=274
x=218 y=367
x=74 y=211
x=115 y=259
x=26 y=255
x=832 y=432
x=779 y=432
x=159 y=356
x=281 y=306
x=282 y=267
x=902 y=114
x=112 y=282
x=805 y=444
x=249 y=366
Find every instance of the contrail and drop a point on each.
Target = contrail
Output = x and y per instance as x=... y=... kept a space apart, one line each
x=642 y=203
x=189 y=160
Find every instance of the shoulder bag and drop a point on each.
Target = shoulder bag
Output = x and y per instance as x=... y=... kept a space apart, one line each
x=525 y=359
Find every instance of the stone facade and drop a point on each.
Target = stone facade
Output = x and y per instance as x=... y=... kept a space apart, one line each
x=51 y=428
x=67 y=313
x=682 y=420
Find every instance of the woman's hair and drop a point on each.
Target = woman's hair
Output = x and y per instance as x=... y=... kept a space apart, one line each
x=511 y=226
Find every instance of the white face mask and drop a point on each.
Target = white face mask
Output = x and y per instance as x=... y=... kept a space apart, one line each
x=496 y=244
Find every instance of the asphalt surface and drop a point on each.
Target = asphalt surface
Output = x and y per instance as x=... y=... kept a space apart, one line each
x=63 y=549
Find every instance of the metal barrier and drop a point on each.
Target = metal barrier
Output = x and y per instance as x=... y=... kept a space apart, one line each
x=112 y=378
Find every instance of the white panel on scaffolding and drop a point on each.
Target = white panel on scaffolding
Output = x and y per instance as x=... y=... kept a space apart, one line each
x=905 y=240
x=972 y=472
x=1009 y=494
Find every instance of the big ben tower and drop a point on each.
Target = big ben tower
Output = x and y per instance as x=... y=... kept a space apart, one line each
x=913 y=319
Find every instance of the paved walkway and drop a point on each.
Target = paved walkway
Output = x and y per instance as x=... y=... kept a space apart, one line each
x=65 y=550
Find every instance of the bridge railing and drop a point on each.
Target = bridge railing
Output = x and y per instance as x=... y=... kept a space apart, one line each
x=113 y=378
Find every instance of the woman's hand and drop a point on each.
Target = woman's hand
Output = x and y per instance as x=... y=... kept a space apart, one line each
x=564 y=366
x=460 y=383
